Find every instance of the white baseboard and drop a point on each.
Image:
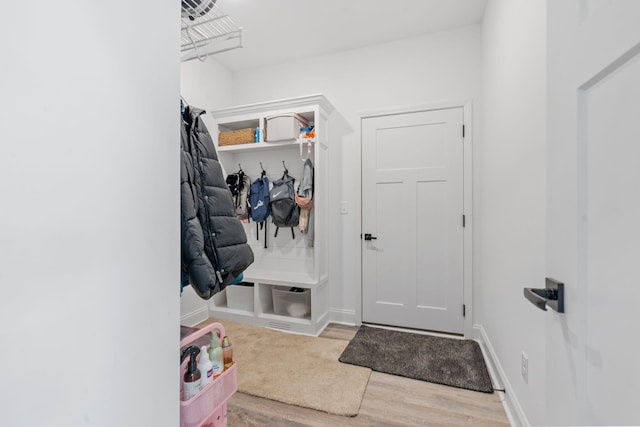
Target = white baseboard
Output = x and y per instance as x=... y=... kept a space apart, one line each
x=195 y=317
x=509 y=399
x=345 y=317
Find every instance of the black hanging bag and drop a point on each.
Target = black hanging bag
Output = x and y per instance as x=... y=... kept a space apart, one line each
x=239 y=184
x=282 y=203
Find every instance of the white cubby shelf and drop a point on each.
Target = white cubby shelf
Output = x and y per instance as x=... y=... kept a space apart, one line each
x=286 y=262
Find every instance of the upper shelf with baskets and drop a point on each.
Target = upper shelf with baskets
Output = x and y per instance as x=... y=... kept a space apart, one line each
x=240 y=134
x=206 y=30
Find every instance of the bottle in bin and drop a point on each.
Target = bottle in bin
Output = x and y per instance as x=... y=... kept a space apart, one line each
x=192 y=375
x=205 y=367
x=227 y=352
x=215 y=355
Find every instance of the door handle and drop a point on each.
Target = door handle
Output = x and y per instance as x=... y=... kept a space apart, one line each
x=551 y=295
x=368 y=236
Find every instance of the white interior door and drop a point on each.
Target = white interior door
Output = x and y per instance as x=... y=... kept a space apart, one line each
x=593 y=212
x=412 y=204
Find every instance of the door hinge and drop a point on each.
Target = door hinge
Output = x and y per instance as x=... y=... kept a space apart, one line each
x=464 y=310
x=464 y=221
x=463 y=131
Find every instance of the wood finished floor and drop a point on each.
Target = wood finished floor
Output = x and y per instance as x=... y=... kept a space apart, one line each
x=388 y=401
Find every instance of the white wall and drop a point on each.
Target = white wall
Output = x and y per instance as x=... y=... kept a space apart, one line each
x=416 y=71
x=509 y=195
x=207 y=85
x=89 y=224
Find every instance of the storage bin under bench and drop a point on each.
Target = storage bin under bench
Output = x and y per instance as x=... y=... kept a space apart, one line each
x=287 y=302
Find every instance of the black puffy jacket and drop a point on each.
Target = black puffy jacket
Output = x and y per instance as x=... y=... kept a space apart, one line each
x=214 y=244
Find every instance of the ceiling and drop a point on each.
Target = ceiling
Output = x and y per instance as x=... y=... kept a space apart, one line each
x=277 y=31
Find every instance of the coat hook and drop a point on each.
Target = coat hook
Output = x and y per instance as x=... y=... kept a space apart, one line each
x=286 y=172
x=263 y=171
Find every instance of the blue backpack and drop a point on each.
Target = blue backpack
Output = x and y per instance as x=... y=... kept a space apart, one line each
x=259 y=204
x=259 y=199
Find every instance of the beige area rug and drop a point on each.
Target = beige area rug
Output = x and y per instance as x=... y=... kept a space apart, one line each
x=296 y=369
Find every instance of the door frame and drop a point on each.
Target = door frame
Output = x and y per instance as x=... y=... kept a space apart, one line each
x=467 y=111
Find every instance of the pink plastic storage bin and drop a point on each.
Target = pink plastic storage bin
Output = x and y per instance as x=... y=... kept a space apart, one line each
x=208 y=408
x=218 y=418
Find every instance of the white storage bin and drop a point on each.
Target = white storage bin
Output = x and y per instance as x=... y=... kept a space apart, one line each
x=293 y=304
x=283 y=127
x=240 y=297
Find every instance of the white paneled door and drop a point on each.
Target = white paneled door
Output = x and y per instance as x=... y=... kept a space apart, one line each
x=412 y=220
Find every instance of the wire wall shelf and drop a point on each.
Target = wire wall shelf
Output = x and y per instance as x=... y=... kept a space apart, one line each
x=206 y=30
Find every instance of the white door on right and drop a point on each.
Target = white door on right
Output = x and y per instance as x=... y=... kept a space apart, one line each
x=412 y=212
x=593 y=211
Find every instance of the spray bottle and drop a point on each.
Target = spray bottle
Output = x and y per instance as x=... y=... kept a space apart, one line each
x=192 y=375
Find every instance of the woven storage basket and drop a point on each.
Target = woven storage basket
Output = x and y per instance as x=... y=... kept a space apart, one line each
x=234 y=137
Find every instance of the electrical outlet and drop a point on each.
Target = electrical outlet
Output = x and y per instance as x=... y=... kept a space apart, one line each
x=525 y=368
